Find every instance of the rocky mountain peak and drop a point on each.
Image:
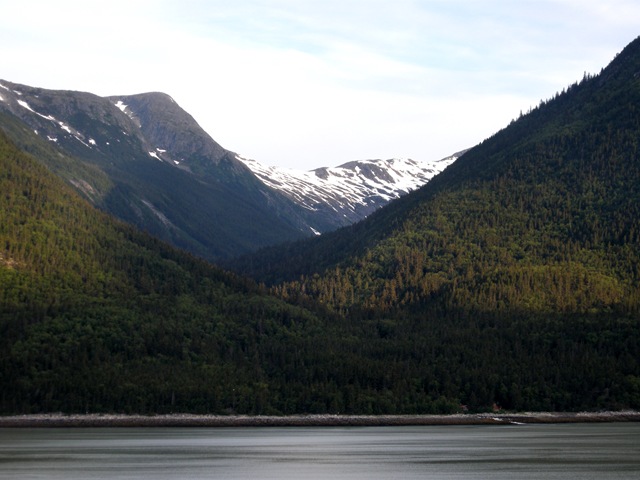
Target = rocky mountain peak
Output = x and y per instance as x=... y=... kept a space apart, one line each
x=174 y=136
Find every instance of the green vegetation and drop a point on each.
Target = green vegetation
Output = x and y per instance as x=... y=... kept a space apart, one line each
x=95 y=316
x=512 y=278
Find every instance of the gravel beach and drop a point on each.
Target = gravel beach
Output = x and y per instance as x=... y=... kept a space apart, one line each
x=188 y=420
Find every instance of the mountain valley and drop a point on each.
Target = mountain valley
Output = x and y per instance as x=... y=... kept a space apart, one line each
x=510 y=281
x=147 y=161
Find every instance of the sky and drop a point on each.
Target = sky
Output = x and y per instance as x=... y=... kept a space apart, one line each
x=304 y=84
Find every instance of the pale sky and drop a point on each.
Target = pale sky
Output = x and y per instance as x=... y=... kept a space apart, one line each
x=305 y=84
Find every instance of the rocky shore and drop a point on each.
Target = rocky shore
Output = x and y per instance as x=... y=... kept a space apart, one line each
x=188 y=420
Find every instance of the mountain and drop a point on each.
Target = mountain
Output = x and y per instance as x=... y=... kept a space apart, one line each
x=97 y=316
x=510 y=280
x=523 y=252
x=345 y=194
x=147 y=161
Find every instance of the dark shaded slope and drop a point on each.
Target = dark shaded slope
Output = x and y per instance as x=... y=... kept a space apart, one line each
x=95 y=316
x=154 y=167
x=169 y=128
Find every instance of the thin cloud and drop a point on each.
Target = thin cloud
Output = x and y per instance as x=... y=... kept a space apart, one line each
x=307 y=84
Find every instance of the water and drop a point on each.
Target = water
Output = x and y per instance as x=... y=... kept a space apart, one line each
x=575 y=451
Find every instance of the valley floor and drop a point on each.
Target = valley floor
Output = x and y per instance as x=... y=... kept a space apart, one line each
x=188 y=420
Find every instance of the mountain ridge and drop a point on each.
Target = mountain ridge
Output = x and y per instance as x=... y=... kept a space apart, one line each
x=509 y=281
x=353 y=190
x=184 y=204
x=540 y=127
x=525 y=248
x=146 y=160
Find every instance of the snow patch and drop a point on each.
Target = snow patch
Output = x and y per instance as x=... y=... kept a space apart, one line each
x=65 y=127
x=24 y=104
x=81 y=141
x=155 y=155
x=121 y=105
x=5 y=87
x=2 y=99
x=352 y=190
x=52 y=139
x=92 y=141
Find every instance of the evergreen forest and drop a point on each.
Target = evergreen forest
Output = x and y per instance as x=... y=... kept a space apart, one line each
x=511 y=280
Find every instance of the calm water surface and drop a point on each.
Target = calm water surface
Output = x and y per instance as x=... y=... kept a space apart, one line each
x=583 y=451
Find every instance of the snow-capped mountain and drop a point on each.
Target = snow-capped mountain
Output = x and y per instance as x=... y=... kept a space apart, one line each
x=351 y=191
x=147 y=161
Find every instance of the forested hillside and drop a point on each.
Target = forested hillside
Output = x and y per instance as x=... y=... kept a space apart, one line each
x=511 y=279
x=95 y=316
x=514 y=275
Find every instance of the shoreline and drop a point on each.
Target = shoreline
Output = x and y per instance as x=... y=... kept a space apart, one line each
x=60 y=420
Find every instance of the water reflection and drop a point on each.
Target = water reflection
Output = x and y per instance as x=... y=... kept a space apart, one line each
x=581 y=451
